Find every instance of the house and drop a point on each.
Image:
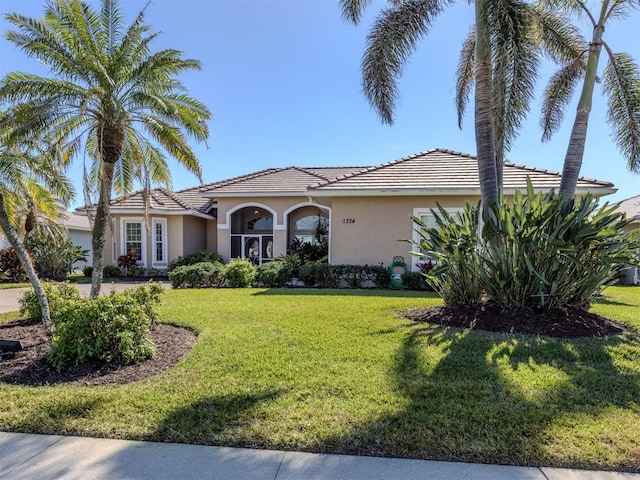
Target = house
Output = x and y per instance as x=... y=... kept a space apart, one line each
x=631 y=208
x=366 y=210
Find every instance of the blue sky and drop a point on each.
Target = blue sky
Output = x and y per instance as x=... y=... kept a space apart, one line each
x=282 y=78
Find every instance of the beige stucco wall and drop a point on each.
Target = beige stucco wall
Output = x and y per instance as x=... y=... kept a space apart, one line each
x=175 y=235
x=194 y=234
x=367 y=230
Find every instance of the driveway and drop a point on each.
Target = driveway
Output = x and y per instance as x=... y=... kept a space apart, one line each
x=9 y=297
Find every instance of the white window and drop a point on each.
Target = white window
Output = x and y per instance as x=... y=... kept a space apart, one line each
x=159 y=240
x=425 y=215
x=134 y=238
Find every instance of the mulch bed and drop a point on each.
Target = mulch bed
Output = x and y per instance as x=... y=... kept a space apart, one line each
x=29 y=366
x=568 y=323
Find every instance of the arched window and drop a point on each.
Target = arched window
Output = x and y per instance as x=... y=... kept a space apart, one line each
x=260 y=223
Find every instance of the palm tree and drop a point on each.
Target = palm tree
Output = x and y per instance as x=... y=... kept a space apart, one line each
x=111 y=98
x=538 y=33
x=29 y=178
x=621 y=85
x=394 y=36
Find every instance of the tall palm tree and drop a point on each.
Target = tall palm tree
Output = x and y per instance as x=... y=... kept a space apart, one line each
x=29 y=178
x=621 y=84
x=394 y=36
x=110 y=97
x=540 y=32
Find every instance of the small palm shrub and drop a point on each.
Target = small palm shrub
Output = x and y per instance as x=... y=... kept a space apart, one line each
x=114 y=328
x=198 y=275
x=54 y=257
x=273 y=274
x=239 y=273
x=58 y=295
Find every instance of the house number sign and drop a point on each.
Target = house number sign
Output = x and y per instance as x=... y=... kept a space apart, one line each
x=348 y=220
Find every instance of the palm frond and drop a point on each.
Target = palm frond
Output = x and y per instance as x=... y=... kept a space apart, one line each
x=352 y=9
x=465 y=74
x=559 y=39
x=390 y=42
x=622 y=87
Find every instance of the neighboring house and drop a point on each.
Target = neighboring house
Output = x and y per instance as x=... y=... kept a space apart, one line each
x=631 y=208
x=367 y=209
x=78 y=231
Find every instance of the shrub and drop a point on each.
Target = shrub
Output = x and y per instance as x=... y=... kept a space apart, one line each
x=53 y=258
x=318 y=274
x=239 y=273
x=114 y=328
x=378 y=275
x=87 y=271
x=273 y=274
x=415 y=281
x=10 y=265
x=58 y=295
x=111 y=271
x=199 y=275
x=127 y=262
x=198 y=257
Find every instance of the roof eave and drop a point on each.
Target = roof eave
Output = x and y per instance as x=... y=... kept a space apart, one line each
x=158 y=211
x=213 y=194
x=597 y=191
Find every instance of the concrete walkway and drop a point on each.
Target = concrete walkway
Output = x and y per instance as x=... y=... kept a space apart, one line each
x=9 y=297
x=44 y=457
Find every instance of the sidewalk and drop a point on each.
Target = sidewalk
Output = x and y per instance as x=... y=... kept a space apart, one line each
x=49 y=457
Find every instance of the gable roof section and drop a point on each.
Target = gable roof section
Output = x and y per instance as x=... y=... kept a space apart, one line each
x=631 y=208
x=443 y=172
x=161 y=200
x=288 y=181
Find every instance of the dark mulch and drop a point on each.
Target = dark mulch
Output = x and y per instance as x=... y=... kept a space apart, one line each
x=568 y=323
x=29 y=366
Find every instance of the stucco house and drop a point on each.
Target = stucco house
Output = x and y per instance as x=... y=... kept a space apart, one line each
x=367 y=210
x=631 y=208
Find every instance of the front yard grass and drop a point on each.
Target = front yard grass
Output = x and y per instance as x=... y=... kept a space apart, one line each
x=339 y=371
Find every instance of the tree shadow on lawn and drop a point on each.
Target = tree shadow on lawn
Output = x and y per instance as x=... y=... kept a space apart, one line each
x=468 y=406
x=214 y=420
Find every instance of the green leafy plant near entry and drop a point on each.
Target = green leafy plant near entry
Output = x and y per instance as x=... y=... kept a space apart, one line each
x=111 y=271
x=198 y=275
x=239 y=273
x=198 y=257
x=273 y=274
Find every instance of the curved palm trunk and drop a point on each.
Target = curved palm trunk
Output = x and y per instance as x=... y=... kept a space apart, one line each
x=484 y=128
x=100 y=226
x=25 y=260
x=575 y=150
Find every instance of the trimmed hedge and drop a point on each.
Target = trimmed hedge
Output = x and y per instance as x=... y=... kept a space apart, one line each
x=198 y=275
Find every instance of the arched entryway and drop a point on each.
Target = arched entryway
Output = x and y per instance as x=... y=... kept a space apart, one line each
x=252 y=234
x=308 y=232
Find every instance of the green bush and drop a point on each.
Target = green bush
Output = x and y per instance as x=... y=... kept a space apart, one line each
x=11 y=267
x=415 y=281
x=58 y=295
x=114 y=329
x=198 y=275
x=273 y=274
x=198 y=257
x=111 y=271
x=87 y=271
x=358 y=276
x=318 y=274
x=378 y=275
x=239 y=273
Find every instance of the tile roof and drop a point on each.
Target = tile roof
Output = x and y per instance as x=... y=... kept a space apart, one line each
x=440 y=170
x=631 y=207
x=286 y=181
x=74 y=221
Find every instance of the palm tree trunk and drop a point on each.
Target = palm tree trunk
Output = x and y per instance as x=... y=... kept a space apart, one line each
x=25 y=260
x=99 y=227
x=485 y=138
x=575 y=150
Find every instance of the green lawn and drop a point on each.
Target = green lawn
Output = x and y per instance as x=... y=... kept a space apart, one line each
x=339 y=371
